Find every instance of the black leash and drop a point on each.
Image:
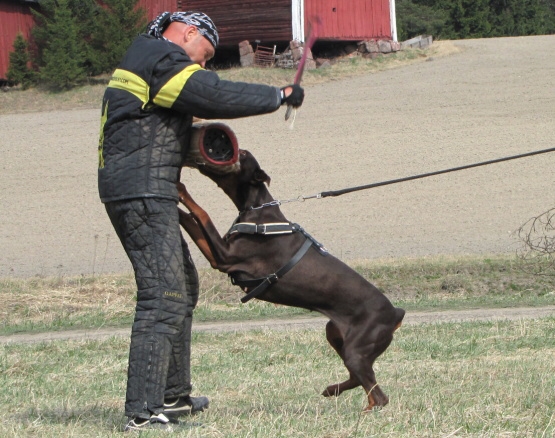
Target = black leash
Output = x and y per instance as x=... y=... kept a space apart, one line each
x=424 y=175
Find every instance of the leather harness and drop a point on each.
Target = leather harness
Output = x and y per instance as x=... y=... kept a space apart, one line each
x=261 y=284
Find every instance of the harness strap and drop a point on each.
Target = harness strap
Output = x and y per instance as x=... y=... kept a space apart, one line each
x=269 y=229
x=265 y=229
x=266 y=282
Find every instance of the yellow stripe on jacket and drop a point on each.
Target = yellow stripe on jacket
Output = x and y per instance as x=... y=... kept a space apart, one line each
x=169 y=93
x=134 y=84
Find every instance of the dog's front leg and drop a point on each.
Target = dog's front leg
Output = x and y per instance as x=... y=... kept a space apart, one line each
x=217 y=247
x=190 y=225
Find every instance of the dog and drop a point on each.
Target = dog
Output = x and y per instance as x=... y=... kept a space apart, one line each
x=277 y=261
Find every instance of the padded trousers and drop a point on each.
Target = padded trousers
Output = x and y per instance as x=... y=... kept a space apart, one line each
x=167 y=283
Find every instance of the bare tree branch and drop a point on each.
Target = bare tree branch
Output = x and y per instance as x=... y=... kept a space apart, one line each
x=537 y=236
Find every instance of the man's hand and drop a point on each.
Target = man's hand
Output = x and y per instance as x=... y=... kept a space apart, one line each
x=292 y=95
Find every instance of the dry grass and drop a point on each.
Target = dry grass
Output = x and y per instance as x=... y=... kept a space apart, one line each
x=37 y=303
x=433 y=283
x=461 y=281
x=90 y=96
x=462 y=380
x=343 y=67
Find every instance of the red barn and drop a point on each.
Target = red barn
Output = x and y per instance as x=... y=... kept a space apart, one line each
x=272 y=21
x=285 y=20
x=15 y=17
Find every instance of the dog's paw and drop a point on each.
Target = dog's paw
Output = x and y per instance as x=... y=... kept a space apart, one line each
x=331 y=391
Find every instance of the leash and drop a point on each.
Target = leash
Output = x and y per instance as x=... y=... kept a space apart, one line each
x=407 y=178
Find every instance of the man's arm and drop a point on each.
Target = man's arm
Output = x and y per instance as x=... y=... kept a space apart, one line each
x=203 y=94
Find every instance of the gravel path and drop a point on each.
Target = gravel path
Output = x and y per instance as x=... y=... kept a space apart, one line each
x=411 y=318
x=494 y=98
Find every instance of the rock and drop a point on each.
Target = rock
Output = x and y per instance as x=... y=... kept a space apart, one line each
x=419 y=42
x=245 y=47
x=321 y=61
x=371 y=46
x=294 y=44
x=247 y=60
x=310 y=64
x=296 y=53
x=384 y=46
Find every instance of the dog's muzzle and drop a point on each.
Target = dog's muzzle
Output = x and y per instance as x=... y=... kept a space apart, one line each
x=213 y=145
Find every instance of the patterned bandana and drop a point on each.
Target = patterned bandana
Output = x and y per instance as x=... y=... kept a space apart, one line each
x=201 y=21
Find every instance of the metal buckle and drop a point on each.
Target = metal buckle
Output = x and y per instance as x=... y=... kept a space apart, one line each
x=272 y=278
x=261 y=229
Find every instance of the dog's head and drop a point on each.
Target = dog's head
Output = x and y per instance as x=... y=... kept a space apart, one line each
x=245 y=171
x=245 y=184
x=249 y=169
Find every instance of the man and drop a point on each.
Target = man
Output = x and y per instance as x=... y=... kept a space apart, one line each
x=147 y=114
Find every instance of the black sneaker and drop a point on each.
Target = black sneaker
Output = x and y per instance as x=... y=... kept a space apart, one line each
x=155 y=422
x=186 y=405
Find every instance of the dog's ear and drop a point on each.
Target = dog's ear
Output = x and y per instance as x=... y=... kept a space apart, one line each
x=261 y=177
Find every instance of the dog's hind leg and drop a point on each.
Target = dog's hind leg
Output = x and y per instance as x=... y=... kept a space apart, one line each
x=376 y=397
x=365 y=353
x=335 y=338
x=361 y=366
x=361 y=348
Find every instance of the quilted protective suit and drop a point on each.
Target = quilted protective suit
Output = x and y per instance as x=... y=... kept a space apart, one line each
x=147 y=113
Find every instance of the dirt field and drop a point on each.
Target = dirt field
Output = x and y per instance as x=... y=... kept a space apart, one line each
x=495 y=98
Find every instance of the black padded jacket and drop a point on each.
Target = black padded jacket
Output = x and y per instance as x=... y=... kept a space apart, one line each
x=147 y=113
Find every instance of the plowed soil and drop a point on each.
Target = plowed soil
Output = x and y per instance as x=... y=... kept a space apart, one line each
x=494 y=98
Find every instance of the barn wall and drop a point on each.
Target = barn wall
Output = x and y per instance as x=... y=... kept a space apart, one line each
x=155 y=7
x=345 y=20
x=350 y=19
x=247 y=19
x=14 y=18
x=270 y=21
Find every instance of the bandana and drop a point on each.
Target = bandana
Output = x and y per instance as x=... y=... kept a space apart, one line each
x=201 y=21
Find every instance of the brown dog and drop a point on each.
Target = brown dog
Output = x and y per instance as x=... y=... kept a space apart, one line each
x=294 y=270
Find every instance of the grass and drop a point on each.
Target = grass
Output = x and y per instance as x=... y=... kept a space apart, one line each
x=451 y=283
x=435 y=283
x=341 y=68
x=491 y=379
x=90 y=96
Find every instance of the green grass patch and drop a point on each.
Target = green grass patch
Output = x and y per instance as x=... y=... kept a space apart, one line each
x=439 y=283
x=480 y=379
x=452 y=283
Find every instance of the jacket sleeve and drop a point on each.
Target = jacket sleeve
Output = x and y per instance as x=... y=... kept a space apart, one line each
x=203 y=94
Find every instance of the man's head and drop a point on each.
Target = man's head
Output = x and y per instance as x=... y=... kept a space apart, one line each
x=194 y=32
